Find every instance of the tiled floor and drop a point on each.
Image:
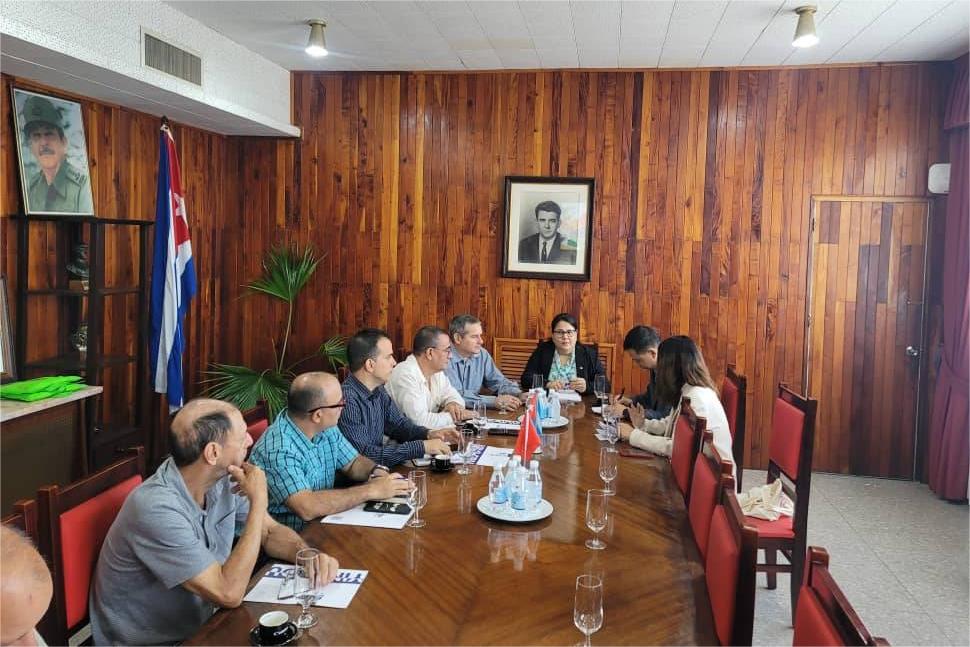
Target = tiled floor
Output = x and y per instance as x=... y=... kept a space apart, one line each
x=899 y=554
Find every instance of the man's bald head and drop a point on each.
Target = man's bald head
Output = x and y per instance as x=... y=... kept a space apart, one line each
x=25 y=588
x=310 y=391
x=198 y=423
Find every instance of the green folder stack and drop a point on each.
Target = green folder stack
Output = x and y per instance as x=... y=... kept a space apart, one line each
x=41 y=388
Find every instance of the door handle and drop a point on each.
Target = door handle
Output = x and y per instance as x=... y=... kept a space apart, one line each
x=912 y=351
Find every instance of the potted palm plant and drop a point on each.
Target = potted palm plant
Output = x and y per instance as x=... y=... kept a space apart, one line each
x=286 y=271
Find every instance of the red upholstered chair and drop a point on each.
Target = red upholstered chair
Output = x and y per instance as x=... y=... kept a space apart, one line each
x=257 y=420
x=73 y=522
x=23 y=518
x=732 y=550
x=734 y=391
x=824 y=616
x=705 y=490
x=687 y=438
x=789 y=459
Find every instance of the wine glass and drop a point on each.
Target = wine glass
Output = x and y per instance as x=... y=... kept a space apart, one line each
x=538 y=382
x=481 y=420
x=417 y=496
x=608 y=467
x=588 y=607
x=597 y=502
x=467 y=447
x=599 y=388
x=306 y=584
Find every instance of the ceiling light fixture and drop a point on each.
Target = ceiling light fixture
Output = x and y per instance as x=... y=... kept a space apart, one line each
x=805 y=35
x=316 y=45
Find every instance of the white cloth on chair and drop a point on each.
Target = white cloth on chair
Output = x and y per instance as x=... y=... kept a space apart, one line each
x=767 y=502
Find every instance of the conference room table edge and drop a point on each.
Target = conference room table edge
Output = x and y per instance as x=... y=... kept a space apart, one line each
x=467 y=579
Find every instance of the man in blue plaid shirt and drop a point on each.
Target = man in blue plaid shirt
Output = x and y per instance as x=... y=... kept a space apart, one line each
x=302 y=451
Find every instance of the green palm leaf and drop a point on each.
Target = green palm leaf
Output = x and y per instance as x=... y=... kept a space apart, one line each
x=334 y=350
x=245 y=387
x=285 y=272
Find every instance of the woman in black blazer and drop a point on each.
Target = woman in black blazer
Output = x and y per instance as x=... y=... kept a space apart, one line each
x=562 y=361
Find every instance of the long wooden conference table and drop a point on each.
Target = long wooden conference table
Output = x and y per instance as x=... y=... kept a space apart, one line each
x=466 y=579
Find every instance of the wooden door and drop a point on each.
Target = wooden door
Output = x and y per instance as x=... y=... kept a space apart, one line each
x=865 y=319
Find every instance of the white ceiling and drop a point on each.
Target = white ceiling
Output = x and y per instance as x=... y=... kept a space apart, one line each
x=479 y=35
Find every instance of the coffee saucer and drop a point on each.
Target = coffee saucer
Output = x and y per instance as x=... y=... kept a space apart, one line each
x=293 y=634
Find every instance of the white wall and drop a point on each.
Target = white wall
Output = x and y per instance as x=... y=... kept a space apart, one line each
x=94 y=48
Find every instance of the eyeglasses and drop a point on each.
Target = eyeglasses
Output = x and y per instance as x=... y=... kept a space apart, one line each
x=447 y=350
x=564 y=333
x=339 y=405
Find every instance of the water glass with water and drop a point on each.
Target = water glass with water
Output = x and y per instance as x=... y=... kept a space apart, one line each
x=467 y=448
x=417 y=496
x=481 y=420
x=306 y=584
x=597 y=505
x=608 y=467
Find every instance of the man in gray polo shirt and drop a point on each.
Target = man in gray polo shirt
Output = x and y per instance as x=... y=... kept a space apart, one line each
x=168 y=561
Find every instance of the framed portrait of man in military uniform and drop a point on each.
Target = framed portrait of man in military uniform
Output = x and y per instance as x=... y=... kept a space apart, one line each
x=53 y=152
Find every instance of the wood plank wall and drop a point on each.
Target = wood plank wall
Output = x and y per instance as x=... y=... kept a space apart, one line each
x=703 y=181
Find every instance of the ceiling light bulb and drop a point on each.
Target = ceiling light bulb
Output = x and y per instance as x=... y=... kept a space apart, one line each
x=805 y=35
x=316 y=45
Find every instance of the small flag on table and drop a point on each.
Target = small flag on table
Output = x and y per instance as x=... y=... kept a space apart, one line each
x=173 y=276
x=528 y=440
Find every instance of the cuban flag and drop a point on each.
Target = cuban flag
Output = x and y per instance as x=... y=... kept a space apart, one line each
x=173 y=276
x=528 y=440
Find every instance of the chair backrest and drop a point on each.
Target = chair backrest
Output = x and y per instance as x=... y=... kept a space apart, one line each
x=790 y=450
x=73 y=522
x=734 y=391
x=705 y=490
x=823 y=615
x=606 y=353
x=257 y=420
x=687 y=437
x=511 y=355
x=729 y=569
x=23 y=518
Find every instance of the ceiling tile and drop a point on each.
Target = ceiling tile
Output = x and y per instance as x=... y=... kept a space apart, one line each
x=691 y=26
x=559 y=58
x=773 y=45
x=739 y=27
x=479 y=59
x=894 y=23
x=550 y=24
x=518 y=59
x=599 y=57
x=836 y=29
x=940 y=35
x=596 y=24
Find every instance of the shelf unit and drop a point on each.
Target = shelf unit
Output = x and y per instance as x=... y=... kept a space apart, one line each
x=104 y=438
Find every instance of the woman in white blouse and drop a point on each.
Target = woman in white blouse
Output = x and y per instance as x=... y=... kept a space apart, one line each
x=681 y=373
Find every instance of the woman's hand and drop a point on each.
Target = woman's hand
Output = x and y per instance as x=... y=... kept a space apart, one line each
x=625 y=430
x=637 y=415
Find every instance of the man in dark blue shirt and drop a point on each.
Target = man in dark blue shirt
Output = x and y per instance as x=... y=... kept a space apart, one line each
x=640 y=345
x=369 y=413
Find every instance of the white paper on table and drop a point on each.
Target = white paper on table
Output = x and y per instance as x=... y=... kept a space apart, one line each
x=499 y=423
x=336 y=595
x=357 y=517
x=568 y=395
x=494 y=456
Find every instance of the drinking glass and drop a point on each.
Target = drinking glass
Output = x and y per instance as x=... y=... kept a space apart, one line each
x=599 y=388
x=467 y=447
x=610 y=424
x=597 y=502
x=538 y=382
x=306 y=584
x=481 y=420
x=608 y=467
x=588 y=607
x=418 y=496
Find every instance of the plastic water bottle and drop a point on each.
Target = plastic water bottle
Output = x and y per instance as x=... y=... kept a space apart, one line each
x=533 y=486
x=496 y=487
x=517 y=492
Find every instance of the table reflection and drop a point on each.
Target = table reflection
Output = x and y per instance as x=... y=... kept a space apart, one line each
x=515 y=546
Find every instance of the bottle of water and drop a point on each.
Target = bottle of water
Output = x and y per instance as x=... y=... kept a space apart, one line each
x=496 y=487
x=517 y=492
x=533 y=485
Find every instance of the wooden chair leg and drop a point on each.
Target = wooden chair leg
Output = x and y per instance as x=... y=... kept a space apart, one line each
x=771 y=559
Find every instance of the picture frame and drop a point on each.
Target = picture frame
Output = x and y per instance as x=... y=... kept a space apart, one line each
x=8 y=365
x=548 y=227
x=55 y=173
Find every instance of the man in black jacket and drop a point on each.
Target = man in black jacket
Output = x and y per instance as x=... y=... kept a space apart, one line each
x=640 y=345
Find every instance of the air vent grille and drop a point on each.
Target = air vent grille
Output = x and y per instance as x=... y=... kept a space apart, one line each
x=170 y=59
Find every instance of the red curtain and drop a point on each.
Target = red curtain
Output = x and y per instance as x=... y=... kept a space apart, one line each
x=949 y=437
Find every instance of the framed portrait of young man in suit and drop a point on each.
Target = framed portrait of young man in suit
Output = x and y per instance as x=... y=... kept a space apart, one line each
x=548 y=228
